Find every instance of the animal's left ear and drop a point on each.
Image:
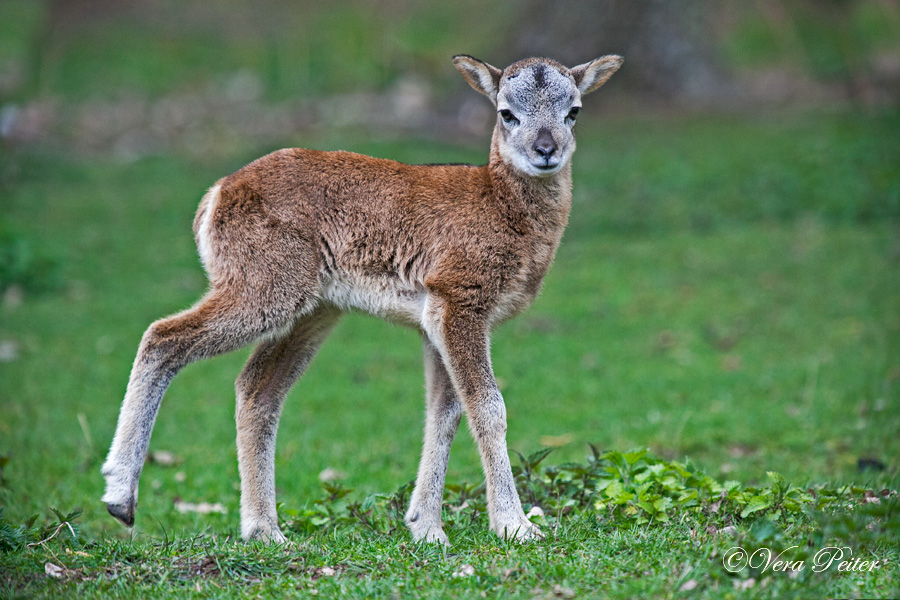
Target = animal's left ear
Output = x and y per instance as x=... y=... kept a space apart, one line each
x=591 y=75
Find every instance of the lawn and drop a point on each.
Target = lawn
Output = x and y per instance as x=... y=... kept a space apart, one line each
x=727 y=295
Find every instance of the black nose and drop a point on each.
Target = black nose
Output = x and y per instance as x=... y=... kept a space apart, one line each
x=544 y=145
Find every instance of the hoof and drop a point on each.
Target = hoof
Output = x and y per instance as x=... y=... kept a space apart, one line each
x=422 y=531
x=268 y=535
x=524 y=531
x=122 y=512
x=529 y=534
x=261 y=528
x=435 y=535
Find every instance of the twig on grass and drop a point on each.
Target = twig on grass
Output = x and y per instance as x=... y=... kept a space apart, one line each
x=53 y=535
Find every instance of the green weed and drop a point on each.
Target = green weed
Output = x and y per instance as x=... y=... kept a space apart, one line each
x=605 y=515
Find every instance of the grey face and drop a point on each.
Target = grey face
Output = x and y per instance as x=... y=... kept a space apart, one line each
x=537 y=101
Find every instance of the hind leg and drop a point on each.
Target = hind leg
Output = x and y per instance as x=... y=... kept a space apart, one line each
x=443 y=411
x=219 y=323
x=261 y=389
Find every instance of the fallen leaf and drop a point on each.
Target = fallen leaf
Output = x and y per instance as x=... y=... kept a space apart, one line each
x=164 y=458
x=745 y=584
x=14 y=296
x=203 y=508
x=329 y=474
x=688 y=585
x=326 y=571
x=563 y=592
x=9 y=351
x=741 y=450
x=54 y=571
x=464 y=571
x=555 y=441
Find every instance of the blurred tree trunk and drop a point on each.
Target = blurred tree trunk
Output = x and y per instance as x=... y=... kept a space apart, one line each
x=668 y=44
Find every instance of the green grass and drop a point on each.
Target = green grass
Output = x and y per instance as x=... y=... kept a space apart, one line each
x=614 y=517
x=734 y=303
x=727 y=295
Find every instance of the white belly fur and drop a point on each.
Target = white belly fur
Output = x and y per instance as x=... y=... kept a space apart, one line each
x=387 y=297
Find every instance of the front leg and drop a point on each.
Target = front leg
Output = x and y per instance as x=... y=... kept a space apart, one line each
x=442 y=414
x=462 y=339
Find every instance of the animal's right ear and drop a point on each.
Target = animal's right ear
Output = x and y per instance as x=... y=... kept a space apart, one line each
x=481 y=76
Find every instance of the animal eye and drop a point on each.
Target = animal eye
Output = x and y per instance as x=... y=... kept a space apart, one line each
x=573 y=113
x=507 y=116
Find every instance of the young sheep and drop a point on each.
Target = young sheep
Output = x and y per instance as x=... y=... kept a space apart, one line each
x=298 y=236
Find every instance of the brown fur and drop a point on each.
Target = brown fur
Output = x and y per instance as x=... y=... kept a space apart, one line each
x=297 y=236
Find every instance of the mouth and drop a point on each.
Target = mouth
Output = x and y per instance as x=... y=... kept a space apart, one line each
x=547 y=168
x=538 y=167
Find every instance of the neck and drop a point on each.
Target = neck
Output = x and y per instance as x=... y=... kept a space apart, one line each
x=542 y=201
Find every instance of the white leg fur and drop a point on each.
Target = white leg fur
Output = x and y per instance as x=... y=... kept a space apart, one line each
x=467 y=361
x=166 y=347
x=123 y=465
x=261 y=389
x=487 y=422
x=442 y=415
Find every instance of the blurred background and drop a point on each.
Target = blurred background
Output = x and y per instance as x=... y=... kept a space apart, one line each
x=728 y=289
x=137 y=77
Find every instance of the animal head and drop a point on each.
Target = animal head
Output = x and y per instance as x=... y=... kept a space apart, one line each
x=537 y=102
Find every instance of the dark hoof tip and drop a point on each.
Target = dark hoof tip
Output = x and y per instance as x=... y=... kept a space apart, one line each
x=123 y=513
